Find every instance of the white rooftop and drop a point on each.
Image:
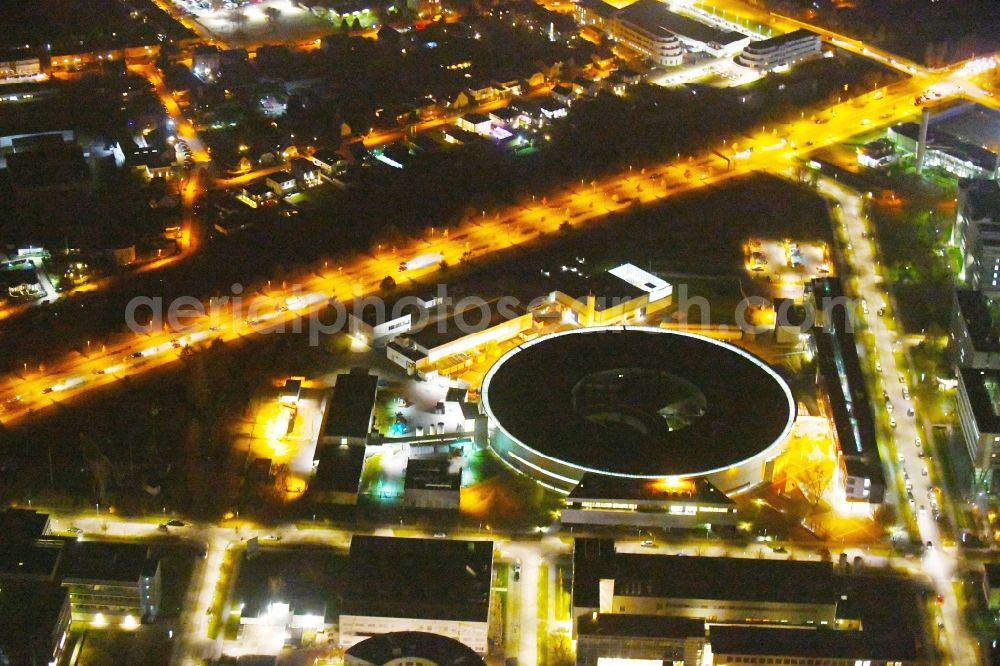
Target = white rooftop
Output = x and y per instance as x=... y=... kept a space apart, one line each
x=656 y=287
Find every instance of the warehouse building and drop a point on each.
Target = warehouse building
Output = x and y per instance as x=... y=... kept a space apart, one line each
x=350 y=409
x=433 y=585
x=783 y=645
x=717 y=589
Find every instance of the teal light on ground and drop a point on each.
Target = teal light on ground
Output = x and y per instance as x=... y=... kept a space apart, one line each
x=387 y=490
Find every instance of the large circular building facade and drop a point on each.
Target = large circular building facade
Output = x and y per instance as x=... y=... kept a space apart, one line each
x=636 y=402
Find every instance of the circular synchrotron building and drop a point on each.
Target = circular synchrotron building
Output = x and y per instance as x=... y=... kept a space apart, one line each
x=639 y=403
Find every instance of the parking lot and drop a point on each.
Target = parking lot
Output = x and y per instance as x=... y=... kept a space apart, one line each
x=290 y=22
x=787 y=264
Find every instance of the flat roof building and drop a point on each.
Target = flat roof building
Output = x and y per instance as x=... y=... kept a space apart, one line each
x=781 y=645
x=595 y=13
x=338 y=474
x=606 y=500
x=286 y=592
x=450 y=343
x=845 y=391
x=396 y=584
x=642 y=31
x=111 y=579
x=975 y=335
x=34 y=623
x=433 y=483
x=978 y=406
x=26 y=551
x=723 y=589
x=877 y=153
x=376 y=322
x=780 y=51
x=350 y=409
x=603 y=637
x=401 y=648
x=654 y=17
x=616 y=296
x=61 y=167
x=22 y=525
x=977 y=233
x=947 y=151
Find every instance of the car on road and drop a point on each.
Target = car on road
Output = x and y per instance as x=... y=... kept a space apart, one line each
x=930 y=545
x=517 y=572
x=923 y=472
x=272 y=537
x=910 y=412
x=779 y=549
x=916 y=440
x=99 y=371
x=47 y=390
x=889 y=406
x=892 y=423
x=176 y=523
x=137 y=354
x=902 y=379
x=900 y=458
x=648 y=543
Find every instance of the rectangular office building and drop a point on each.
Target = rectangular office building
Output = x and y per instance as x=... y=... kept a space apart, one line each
x=434 y=585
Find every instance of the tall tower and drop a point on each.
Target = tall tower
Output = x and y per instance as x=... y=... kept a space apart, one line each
x=925 y=120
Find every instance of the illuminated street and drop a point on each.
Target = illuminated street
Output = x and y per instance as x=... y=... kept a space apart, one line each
x=417 y=448
x=940 y=560
x=772 y=148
